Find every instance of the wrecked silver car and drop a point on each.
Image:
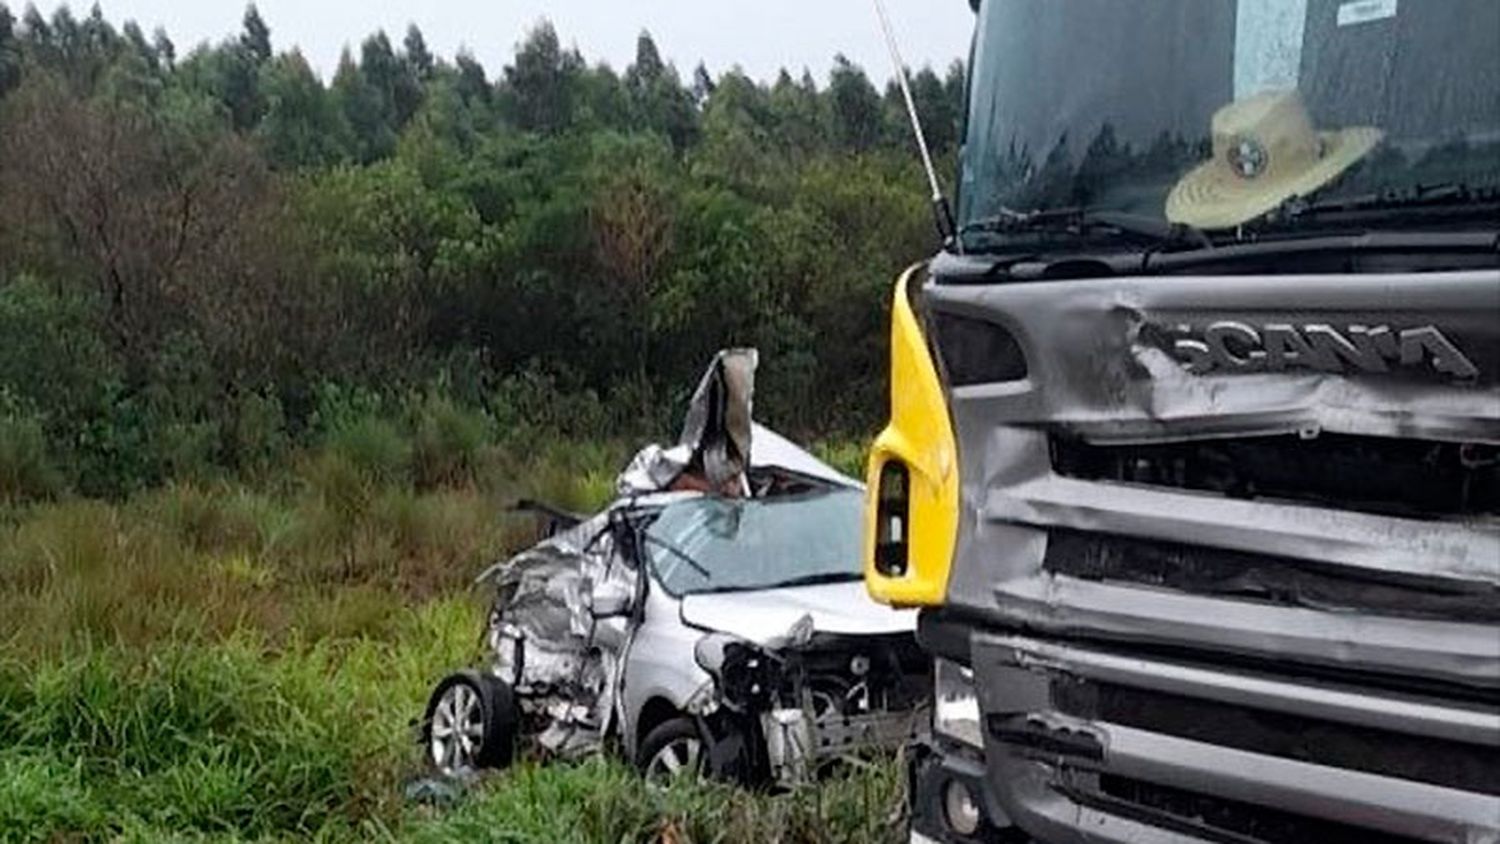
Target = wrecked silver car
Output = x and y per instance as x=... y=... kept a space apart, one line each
x=710 y=620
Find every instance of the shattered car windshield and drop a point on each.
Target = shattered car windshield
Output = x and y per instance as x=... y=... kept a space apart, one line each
x=1214 y=113
x=712 y=544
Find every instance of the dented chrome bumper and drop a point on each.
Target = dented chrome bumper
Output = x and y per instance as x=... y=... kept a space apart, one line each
x=1102 y=745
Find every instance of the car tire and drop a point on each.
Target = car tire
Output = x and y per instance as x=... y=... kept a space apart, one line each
x=471 y=723
x=675 y=747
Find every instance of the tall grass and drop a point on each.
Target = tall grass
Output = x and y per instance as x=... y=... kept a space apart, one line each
x=240 y=662
x=232 y=737
x=313 y=741
x=603 y=801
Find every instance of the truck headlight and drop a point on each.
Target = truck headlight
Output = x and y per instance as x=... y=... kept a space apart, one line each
x=955 y=702
x=892 y=519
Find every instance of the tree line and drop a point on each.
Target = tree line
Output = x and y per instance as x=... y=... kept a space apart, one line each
x=207 y=259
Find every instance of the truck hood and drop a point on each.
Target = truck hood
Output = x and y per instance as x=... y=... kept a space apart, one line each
x=765 y=614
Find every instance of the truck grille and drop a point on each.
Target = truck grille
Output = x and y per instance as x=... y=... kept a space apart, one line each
x=1381 y=475
x=1284 y=581
x=1435 y=761
x=1203 y=814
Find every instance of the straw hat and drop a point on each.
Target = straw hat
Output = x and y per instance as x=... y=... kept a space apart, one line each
x=1265 y=152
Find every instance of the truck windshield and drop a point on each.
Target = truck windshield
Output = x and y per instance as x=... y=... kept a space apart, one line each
x=1215 y=113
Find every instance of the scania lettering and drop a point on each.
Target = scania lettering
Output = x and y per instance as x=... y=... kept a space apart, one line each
x=1237 y=347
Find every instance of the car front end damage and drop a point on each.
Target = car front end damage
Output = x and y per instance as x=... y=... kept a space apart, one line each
x=807 y=702
x=551 y=639
x=777 y=711
x=711 y=615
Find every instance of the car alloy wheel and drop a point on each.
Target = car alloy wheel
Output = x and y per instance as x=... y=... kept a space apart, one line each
x=457 y=730
x=681 y=755
x=673 y=748
x=471 y=723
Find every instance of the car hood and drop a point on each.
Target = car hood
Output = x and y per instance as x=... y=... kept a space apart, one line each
x=764 y=614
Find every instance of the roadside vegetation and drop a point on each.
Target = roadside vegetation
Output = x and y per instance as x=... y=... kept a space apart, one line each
x=277 y=353
x=210 y=259
x=230 y=660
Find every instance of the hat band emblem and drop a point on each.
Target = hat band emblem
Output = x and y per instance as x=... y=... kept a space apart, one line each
x=1247 y=158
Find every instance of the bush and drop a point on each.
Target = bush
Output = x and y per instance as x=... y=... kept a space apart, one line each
x=182 y=449
x=257 y=435
x=577 y=476
x=446 y=443
x=26 y=468
x=182 y=411
x=218 y=518
x=374 y=448
x=53 y=356
x=532 y=405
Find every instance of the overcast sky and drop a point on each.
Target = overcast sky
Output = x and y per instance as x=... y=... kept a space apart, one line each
x=759 y=35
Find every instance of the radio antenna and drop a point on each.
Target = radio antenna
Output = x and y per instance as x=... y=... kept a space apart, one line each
x=942 y=213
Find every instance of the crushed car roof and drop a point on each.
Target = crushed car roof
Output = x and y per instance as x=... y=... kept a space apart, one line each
x=769 y=450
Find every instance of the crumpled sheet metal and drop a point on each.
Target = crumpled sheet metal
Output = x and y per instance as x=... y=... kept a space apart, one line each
x=1102 y=364
x=547 y=595
x=716 y=431
x=653 y=468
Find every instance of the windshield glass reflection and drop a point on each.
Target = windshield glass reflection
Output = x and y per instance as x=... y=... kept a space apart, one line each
x=1215 y=112
x=712 y=544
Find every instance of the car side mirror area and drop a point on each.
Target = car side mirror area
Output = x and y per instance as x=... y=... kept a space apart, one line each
x=612 y=599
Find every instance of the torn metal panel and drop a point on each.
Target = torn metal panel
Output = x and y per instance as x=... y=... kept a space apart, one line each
x=561 y=659
x=715 y=443
x=717 y=423
x=653 y=468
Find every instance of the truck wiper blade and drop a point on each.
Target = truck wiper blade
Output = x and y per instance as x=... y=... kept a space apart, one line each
x=1081 y=221
x=1261 y=250
x=1441 y=199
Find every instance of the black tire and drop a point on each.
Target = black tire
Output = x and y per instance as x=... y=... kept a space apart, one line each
x=679 y=734
x=494 y=715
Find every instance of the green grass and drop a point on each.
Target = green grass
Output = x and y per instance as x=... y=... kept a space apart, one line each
x=225 y=662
